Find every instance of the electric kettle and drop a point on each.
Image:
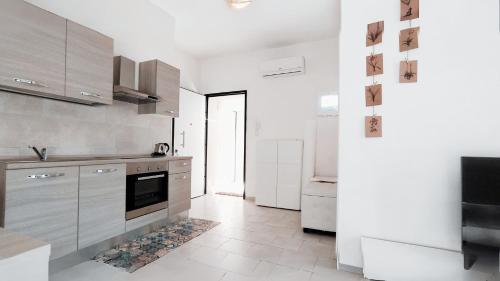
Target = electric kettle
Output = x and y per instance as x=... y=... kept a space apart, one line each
x=161 y=149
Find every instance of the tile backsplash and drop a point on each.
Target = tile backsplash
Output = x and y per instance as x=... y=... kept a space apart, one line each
x=74 y=129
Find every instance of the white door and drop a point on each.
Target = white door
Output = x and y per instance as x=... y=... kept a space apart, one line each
x=189 y=137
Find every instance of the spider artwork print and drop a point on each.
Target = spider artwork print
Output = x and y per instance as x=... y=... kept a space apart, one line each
x=409 y=9
x=408 y=71
x=374 y=34
x=374 y=65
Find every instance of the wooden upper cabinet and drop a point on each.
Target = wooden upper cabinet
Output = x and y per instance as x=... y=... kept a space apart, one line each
x=32 y=49
x=159 y=79
x=89 y=65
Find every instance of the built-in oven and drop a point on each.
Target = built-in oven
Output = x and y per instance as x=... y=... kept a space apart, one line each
x=147 y=188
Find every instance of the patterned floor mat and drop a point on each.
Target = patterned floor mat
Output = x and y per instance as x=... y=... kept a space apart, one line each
x=134 y=254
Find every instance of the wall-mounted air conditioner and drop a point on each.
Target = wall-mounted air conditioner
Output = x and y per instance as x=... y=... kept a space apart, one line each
x=283 y=67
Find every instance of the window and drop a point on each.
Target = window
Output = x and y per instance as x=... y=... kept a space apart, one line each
x=329 y=104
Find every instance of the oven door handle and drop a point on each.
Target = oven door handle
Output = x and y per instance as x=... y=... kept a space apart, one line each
x=150 y=177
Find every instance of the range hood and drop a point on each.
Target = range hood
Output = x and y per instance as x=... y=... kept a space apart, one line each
x=124 y=83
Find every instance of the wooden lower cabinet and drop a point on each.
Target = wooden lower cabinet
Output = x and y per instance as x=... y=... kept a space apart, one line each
x=43 y=204
x=179 y=193
x=101 y=203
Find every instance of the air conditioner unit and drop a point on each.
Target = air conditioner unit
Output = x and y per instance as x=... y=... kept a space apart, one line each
x=283 y=67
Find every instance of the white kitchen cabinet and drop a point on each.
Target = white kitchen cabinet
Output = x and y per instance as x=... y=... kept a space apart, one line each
x=101 y=203
x=43 y=204
x=279 y=173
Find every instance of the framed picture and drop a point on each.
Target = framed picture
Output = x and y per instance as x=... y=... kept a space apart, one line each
x=373 y=95
x=410 y=9
x=374 y=64
x=408 y=39
x=374 y=33
x=408 y=71
x=373 y=126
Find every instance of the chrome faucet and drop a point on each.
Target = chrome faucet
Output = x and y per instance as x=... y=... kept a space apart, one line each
x=42 y=154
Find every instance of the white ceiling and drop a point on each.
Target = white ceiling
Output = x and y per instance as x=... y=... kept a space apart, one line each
x=206 y=28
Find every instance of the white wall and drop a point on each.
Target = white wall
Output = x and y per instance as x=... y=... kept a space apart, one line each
x=406 y=185
x=141 y=31
x=277 y=108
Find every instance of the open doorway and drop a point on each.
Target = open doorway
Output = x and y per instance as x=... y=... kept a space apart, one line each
x=226 y=143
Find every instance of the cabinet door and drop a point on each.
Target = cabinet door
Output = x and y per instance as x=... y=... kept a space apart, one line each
x=157 y=78
x=102 y=203
x=179 y=166
x=288 y=186
x=267 y=173
x=266 y=184
x=89 y=65
x=179 y=193
x=32 y=49
x=168 y=87
x=43 y=204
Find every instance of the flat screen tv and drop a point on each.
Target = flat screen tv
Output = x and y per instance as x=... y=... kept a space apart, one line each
x=481 y=180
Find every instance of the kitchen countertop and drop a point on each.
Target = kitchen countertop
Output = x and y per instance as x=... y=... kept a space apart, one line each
x=80 y=160
x=13 y=244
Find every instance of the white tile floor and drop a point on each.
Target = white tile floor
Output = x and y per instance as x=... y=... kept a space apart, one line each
x=251 y=243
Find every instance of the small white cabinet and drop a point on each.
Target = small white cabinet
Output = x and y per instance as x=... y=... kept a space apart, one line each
x=319 y=206
x=101 y=203
x=279 y=173
x=43 y=204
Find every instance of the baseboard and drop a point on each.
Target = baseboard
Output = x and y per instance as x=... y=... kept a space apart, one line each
x=350 y=268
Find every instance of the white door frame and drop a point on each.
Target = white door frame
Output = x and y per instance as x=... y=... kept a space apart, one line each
x=208 y=96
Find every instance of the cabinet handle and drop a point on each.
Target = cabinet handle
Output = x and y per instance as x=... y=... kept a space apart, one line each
x=93 y=95
x=29 y=82
x=181 y=178
x=46 y=176
x=105 y=171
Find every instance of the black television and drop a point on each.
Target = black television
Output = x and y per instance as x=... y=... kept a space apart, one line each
x=481 y=180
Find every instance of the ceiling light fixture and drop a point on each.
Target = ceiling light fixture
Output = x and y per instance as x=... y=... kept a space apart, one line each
x=239 y=4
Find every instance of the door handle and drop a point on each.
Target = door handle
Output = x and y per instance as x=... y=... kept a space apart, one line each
x=183 y=134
